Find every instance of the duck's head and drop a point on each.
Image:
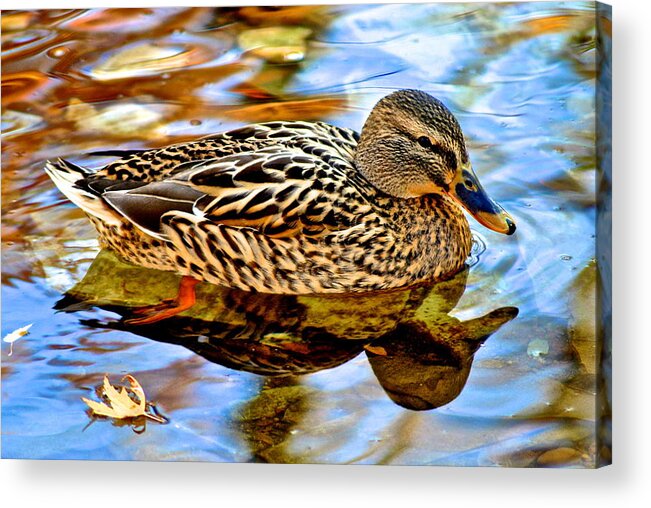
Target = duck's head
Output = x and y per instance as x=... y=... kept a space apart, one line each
x=411 y=145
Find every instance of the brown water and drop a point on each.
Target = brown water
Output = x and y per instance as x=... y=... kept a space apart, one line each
x=495 y=367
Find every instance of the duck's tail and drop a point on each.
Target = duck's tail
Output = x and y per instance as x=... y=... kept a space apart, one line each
x=69 y=177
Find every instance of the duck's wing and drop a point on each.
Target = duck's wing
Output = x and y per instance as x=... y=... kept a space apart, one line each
x=279 y=192
x=160 y=163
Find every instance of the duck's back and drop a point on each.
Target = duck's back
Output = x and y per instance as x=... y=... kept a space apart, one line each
x=314 y=138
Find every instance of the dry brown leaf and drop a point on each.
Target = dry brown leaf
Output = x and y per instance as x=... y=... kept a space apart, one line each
x=125 y=403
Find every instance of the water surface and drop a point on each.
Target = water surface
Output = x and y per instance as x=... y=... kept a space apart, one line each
x=495 y=367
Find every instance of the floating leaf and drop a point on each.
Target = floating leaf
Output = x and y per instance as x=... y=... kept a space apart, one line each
x=15 y=335
x=128 y=403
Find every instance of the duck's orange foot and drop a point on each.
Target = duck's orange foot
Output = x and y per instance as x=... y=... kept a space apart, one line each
x=167 y=308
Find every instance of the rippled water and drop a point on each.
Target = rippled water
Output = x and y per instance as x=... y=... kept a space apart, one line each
x=495 y=367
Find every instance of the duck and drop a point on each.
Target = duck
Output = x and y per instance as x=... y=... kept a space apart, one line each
x=294 y=207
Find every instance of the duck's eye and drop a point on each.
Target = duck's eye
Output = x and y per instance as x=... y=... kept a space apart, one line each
x=425 y=142
x=469 y=184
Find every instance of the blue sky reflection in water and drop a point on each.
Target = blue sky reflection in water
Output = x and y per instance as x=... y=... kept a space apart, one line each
x=306 y=379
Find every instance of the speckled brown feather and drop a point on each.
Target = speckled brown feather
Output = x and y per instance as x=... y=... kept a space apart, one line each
x=277 y=207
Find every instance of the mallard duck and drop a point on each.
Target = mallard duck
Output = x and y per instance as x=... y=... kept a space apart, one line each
x=293 y=207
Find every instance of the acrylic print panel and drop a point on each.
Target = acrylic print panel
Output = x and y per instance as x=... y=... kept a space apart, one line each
x=494 y=357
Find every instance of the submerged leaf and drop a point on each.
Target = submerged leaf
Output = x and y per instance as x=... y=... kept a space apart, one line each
x=276 y=44
x=122 y=120
x=147 y=59
x=537 y=348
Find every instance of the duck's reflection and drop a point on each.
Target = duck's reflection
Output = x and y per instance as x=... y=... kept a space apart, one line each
x=419 y=353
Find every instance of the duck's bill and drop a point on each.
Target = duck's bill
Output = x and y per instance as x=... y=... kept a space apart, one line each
x=468 y=192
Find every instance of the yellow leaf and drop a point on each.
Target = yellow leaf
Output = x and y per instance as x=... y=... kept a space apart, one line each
x=120 y=404
x=100 y=409
x=137 y=389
